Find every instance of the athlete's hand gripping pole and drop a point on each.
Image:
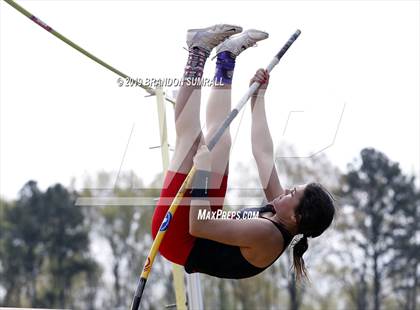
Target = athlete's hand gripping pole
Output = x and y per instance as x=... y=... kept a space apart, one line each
x=177 y=200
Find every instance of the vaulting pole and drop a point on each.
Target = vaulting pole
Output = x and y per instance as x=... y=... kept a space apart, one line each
x=175 y=203
x=177 y=270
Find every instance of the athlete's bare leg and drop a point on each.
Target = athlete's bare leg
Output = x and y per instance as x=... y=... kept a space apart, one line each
x=188 y=128
x=187 y=107
x=218 y=108
x=219 y=104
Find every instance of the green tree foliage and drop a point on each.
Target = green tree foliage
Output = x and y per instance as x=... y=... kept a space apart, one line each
x=369 y=259
x=294 y=170
x=45 y=249
x=125 y=228
x=382 y=225
x=404 y=268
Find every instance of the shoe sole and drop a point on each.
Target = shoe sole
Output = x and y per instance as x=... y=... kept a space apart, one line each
x=235 y=29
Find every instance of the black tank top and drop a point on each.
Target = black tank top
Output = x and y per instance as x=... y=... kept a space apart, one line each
x=226 y=261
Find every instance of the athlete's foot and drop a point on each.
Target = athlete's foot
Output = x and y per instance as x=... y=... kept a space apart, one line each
x=208 y=38
x=241 y=42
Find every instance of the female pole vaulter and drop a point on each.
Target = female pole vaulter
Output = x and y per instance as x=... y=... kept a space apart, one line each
x=235 y=247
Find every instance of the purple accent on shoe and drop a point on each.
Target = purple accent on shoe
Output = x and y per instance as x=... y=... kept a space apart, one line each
x=224 y=67
x=195 y=65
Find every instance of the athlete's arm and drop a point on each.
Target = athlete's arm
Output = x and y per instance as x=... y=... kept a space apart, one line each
x=262 y=143
x=243 y=233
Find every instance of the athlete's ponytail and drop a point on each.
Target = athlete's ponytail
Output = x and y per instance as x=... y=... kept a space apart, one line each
x=299 y=264
x=315 y=213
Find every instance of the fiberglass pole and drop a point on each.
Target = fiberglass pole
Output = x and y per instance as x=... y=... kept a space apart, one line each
x=165 y=223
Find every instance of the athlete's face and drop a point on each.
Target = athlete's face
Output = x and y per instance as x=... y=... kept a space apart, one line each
x=288 y=202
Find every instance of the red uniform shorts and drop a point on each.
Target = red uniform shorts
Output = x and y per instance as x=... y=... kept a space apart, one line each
x=177 y=242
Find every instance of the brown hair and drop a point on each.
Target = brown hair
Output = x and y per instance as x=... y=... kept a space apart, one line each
x=315 y=212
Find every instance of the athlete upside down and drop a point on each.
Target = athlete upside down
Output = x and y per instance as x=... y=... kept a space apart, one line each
x=231 y=248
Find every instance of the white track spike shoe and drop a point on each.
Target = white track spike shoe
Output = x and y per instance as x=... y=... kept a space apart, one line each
x=208 y=38
x=241 y=42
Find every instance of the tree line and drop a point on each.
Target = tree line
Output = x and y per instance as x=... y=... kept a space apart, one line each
x=56 y=254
